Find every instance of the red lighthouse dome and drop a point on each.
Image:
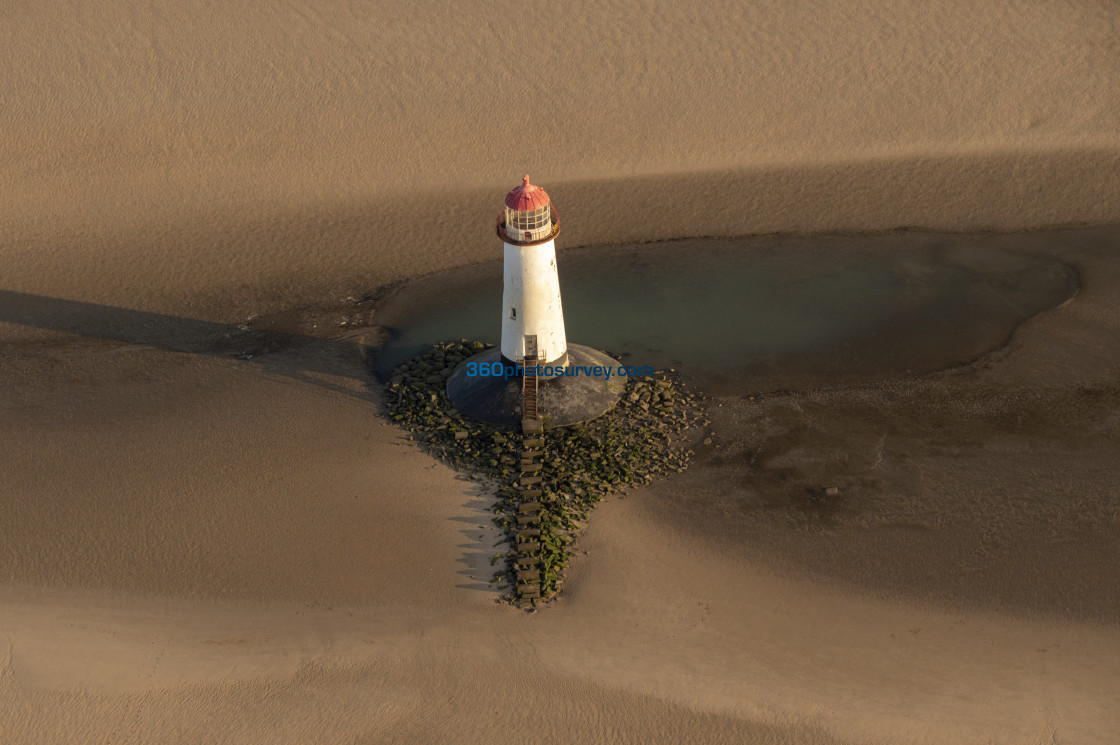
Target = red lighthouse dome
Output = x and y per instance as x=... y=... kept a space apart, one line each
x=529 y=217
x=527 y=197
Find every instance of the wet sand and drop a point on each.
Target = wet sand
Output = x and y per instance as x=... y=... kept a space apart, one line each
x=209 y=535
x=199 y=544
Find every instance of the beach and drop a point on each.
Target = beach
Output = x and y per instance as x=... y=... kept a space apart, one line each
x=211 y=533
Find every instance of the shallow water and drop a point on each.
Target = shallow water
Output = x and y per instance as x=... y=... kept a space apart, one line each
x=780 y=311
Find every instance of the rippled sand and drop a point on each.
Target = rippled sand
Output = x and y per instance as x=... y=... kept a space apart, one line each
x=208 y=535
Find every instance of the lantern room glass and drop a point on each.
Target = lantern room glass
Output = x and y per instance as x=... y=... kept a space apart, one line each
x=537 y=223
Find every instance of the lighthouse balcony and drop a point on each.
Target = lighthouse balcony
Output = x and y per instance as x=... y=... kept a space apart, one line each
x=528 y=228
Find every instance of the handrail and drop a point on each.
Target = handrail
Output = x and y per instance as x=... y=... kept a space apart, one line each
x=513 y=241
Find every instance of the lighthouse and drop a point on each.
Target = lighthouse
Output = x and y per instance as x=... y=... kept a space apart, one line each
x=532 y=314
x=577 y=383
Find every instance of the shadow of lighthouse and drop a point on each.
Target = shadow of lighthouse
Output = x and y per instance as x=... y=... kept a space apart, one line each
x=301 y=357
x=534 y=378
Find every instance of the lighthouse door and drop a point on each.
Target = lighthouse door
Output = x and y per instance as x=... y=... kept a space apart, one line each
x=530 y=346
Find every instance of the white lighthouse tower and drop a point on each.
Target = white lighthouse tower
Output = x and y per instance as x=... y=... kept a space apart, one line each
x=533 y=330
x=532 y=317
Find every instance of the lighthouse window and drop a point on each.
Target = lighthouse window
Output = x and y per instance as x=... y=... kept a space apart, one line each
x=528 y=220
x=513 y=314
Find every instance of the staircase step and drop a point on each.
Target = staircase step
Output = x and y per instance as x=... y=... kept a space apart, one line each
x=527 y=507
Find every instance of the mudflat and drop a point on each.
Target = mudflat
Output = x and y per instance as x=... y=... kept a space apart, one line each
x=209 y=534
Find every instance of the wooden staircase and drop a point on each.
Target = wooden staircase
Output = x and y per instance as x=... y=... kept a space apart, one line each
x=526 y=555
x=530 y=418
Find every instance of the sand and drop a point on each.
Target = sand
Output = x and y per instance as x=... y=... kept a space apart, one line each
x=209 y=535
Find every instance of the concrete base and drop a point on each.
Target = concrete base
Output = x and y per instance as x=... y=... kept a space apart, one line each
x=561 y=400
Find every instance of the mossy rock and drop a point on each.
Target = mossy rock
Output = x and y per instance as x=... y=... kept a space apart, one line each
x=634 y=442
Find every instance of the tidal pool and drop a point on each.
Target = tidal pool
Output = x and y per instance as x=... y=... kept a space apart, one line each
x=769 y=313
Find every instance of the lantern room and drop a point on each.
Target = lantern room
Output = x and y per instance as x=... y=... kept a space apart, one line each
x=529 y=216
